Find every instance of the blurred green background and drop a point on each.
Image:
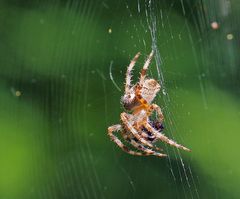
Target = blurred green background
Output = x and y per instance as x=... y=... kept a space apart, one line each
x=57 y=98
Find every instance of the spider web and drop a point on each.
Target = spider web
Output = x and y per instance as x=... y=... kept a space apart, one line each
x=154 y=14
x=152 y=20
x=63 y=70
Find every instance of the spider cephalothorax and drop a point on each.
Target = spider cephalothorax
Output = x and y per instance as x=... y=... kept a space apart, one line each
x=136 y=127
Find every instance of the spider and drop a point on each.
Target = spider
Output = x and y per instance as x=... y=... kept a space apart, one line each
x=136 y=126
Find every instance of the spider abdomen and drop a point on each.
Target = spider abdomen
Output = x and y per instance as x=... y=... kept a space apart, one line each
x=150 y=89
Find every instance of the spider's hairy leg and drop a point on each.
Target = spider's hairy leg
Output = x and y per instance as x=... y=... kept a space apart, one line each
x=164 y=138
x=129 y=127
x=158 y=110
x=145 y=67
x=150 y=138
x=146 y=150
x=143 y=135
x=128 y=73
x=141 y=147
x=118 y=127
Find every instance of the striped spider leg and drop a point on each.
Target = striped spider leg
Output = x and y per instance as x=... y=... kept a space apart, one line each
x=164 y=138
x=134 y=142
x=135 y=135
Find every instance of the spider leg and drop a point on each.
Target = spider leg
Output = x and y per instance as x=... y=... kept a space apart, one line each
x=158 y=110
x=128 y=73
x=118 y=127
x=147 y=137
x=133 y=141
x=130 y=128
x=164 y=138
x=152 y=139
x=139 y=85
x=144 y=69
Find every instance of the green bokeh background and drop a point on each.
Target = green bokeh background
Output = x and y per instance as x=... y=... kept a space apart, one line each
x=57 y=98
